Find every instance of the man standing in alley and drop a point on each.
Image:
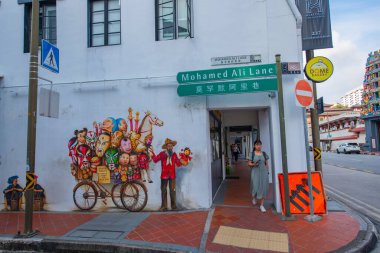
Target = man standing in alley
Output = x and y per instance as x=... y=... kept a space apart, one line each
x=235 y=151
x=169 y=161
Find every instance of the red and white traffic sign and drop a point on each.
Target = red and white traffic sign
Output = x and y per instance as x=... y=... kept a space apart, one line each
x=304 y=93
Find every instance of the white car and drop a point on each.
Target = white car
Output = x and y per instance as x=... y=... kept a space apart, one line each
x=348 y=148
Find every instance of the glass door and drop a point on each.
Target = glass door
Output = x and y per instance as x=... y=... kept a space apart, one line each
x=216 y=153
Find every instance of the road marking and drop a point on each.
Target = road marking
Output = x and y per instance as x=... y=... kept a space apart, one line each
x=354 y=203
x=333 y=174
x=354 y=169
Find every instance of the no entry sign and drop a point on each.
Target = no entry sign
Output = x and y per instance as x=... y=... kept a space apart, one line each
x=304 y=93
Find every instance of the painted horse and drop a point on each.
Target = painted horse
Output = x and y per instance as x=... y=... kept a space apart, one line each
x=143 y=135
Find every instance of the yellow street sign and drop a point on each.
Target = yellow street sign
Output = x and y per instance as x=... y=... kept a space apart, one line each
x=29 y=181
x=317 y=154
x=319 y=69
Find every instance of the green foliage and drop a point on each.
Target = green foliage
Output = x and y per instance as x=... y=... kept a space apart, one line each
x=228 y=169
x=339 y=106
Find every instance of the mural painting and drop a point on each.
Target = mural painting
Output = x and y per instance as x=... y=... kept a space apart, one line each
x=39 y=199
x=117 y=152
x=13 y=195
x=169 y=161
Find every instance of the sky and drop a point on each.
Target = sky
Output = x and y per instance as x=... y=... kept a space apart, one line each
x=356 y=32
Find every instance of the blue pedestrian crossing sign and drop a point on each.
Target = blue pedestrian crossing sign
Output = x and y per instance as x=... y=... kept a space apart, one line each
x=50 y=56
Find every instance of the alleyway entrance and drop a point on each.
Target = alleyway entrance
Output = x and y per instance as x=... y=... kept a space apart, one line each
x=237 y=127
x=235 y=190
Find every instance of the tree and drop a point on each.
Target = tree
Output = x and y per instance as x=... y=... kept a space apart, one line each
x=339 y=106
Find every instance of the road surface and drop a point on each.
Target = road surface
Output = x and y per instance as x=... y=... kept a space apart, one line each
x=355 y=179
x=366 y=163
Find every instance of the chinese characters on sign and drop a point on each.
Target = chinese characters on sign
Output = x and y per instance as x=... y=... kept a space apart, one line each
x=227 y=80
x=241 y=59
x=269 y=84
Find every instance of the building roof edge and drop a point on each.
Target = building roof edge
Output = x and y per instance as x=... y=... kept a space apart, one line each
x=297 y=15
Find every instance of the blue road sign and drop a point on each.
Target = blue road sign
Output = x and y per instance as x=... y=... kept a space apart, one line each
x=50 y=56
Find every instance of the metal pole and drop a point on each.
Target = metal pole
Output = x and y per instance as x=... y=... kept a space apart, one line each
x=32 y=110
x=283 y=136
x=328 y=131
x=311 y=217
x=314 y=118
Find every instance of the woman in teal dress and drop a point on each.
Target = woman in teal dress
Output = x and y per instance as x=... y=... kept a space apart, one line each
x=259 y=175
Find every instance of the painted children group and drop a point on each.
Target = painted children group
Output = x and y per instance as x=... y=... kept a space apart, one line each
x=120 y=150
x=14 y=192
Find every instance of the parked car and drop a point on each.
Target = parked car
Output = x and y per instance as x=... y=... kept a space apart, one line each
x=348 y=148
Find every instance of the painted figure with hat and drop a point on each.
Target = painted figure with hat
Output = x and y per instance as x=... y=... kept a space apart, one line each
x=13 y=192
x=39 y=195
x=169 y=161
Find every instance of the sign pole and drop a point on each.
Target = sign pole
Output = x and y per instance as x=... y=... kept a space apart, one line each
x=314 y=118
x=32 y=122
x=311 y=217
x=283 y=138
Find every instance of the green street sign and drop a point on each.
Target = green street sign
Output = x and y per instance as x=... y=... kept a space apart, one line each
x=210 y=75
x=268 y=84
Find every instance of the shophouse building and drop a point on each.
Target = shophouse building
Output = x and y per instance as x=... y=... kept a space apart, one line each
x=115 y=55
x=339 y=124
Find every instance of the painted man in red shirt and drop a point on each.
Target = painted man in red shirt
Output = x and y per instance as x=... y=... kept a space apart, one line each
x=169 y=161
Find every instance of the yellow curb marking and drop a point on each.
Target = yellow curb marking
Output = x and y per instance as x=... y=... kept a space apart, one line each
x=252 y=239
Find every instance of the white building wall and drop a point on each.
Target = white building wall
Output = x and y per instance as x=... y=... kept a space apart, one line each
x=240 y=118
x=80 y=107
x=222 y=28
x=265 y=136
x=361 y=138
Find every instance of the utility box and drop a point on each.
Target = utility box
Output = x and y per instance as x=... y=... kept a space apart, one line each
x=49 y=103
